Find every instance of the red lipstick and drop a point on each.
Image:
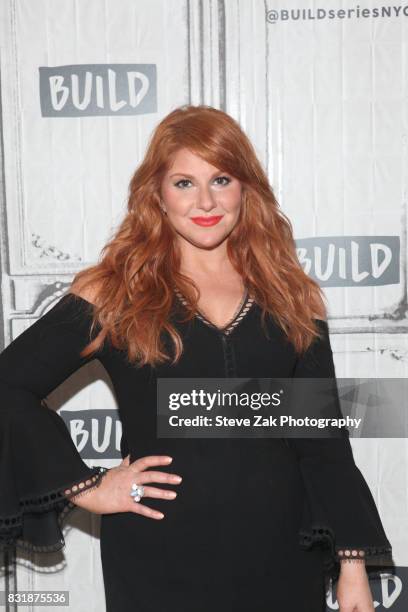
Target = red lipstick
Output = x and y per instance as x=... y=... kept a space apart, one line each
x=206 y=221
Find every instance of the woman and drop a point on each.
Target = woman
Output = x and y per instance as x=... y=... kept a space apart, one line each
x=201 y=279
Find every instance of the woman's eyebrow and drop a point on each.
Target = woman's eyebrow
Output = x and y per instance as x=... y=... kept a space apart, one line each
x=190 y=175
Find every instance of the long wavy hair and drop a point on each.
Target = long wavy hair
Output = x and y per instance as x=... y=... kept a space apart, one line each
x=134 y=279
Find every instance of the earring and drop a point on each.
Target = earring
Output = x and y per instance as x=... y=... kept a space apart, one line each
x=162 y=207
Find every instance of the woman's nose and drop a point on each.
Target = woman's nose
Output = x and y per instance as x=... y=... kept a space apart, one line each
x=206 y=201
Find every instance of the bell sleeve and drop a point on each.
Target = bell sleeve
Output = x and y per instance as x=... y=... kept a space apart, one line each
x=339 y=513
x=40 y=467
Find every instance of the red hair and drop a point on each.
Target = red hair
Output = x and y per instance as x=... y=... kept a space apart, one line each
x=139 y=265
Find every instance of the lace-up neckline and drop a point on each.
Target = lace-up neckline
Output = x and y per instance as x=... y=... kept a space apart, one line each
x=242 y=309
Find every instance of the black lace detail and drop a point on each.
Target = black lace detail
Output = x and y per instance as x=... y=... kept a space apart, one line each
x=336 y=554
x=11 y=527
x=244 y=306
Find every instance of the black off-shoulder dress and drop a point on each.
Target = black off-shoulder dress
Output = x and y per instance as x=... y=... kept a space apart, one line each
x=258 y=524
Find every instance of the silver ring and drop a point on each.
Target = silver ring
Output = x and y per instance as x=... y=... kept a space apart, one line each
x=137 y=492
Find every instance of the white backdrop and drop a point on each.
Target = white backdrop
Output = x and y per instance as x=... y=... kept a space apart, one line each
x=320 y=89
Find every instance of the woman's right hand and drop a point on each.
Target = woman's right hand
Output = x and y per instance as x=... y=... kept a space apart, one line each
x=113 y=493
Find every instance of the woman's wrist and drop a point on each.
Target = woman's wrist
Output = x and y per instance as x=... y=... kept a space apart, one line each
x=353 y=568
x=352 y=562
x=86 y=487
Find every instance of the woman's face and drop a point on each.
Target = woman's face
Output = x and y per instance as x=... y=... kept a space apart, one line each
x=202 y=203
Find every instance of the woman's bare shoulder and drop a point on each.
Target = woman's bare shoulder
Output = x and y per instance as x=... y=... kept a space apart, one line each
x=87 y=292
x=320 y=317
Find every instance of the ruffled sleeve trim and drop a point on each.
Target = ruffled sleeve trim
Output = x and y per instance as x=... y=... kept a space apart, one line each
x=335 y=553
x=37 y=526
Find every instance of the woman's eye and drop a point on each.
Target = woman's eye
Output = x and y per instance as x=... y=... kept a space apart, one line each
x=182 y=181
x=224 y=177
